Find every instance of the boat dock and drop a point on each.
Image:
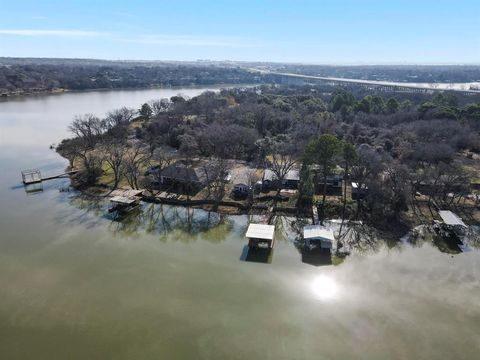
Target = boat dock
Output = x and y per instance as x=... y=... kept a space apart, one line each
x=261 y=236
x=35 y=176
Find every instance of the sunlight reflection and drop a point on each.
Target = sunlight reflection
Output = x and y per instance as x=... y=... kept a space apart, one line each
x=324 y=288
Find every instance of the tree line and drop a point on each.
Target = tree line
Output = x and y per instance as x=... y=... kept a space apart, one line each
x=394 y=146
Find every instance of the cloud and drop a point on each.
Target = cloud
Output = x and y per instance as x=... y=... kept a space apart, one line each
x=59 y=33
x=149 y=39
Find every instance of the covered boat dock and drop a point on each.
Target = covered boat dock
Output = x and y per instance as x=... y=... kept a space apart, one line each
x=123 y=204
x=451 y=219
x=319 y=235
x=261 y=236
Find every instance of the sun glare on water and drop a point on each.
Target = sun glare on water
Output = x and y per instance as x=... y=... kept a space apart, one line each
x=324 y=288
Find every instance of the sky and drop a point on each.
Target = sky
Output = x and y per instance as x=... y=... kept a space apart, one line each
x=307 y=31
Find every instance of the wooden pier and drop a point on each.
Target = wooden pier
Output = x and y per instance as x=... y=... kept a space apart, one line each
x=35 y=176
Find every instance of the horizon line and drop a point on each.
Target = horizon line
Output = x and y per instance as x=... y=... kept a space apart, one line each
x=387 y=63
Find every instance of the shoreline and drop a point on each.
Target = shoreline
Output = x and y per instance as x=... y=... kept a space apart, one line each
x=59 y=91
x=390 y=235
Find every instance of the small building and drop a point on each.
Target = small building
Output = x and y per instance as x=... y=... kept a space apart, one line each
x=261 y=236
x=319 y=235
x=359 y=190
x=292 y=179
x=241 y=189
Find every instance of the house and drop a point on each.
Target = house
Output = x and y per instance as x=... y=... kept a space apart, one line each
x=183 y=175
x=334 y=183
x=359 y=190
x=270 y=180
x=318 y=235
x=260 y=236
x=443 y=184
x=242 y=178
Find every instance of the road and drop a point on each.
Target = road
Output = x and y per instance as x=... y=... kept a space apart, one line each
x=458 y=87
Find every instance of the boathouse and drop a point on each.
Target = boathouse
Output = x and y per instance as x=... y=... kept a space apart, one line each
x=317 y=234
x=261 y=236
x=451 y=219
x=122 y=204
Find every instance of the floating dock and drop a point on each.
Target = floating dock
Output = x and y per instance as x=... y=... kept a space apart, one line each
x=31 y=176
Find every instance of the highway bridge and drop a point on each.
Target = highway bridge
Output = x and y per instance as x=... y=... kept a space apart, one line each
x=380 y=85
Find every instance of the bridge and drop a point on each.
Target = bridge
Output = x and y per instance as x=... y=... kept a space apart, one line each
x=381 y=85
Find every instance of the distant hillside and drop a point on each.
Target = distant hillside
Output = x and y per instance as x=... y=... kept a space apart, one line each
x=31 y=75
x=28 y=75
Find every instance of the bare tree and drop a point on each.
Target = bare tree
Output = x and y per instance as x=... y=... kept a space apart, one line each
x=87 y=127
x=118 y=117
x=158 y=161
x=134 y=158
x=216 y=173
x=114 y=153
x=159 y=106
x=252 y=178
x=282 y=160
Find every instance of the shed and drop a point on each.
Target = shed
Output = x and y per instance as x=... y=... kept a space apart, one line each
x=261 y=235
x=317 y=233
x=451 y=219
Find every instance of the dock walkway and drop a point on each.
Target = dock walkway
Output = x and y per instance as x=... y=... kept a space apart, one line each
x=35 y=176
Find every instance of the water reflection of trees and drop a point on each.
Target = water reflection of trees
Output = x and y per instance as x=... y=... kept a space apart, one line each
x=175 y=223
x=444 y=239
x=360 y=238
x=89 y=212
x=171 y=223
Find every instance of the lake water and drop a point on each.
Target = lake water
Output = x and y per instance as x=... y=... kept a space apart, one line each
x=170 y=283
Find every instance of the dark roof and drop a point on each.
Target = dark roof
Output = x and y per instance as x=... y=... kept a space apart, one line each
x=182 y=172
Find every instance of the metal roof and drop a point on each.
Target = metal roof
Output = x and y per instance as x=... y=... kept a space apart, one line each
x=317 y=232
x=260 y=231
x=292 y=174
x=122 y=200
x=450 y=218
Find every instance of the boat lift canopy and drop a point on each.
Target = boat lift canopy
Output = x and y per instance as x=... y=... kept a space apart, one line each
x=260 y=231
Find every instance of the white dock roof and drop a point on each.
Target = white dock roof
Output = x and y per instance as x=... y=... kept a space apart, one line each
x=317 y=232
x=451 y=218
x=260 y=231
x=122 y=200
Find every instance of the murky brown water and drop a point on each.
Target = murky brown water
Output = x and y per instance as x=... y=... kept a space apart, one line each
x=170 y=284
